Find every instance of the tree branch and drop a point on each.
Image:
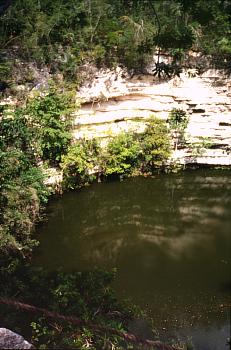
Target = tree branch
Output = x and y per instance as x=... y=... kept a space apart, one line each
x=129 y=337
x=158 y=26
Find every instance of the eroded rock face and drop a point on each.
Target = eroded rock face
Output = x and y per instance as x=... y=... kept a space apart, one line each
x=11 y=340
x=114 y=102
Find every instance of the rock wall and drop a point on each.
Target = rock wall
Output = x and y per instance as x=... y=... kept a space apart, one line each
x=114 y=102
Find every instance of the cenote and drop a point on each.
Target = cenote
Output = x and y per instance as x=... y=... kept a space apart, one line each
x=167 y=236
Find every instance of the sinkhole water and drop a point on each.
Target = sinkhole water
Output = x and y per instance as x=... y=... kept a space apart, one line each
x=169 y=238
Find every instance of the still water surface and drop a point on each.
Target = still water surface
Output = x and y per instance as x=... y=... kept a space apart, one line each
x=168 y=237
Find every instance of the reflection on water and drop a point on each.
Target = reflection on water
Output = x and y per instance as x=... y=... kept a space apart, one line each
x=168 y=237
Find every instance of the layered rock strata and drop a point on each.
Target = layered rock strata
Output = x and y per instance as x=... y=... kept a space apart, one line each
x=114 y=102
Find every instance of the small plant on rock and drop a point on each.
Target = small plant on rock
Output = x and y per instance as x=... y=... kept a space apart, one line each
x=122 y=155
x=178 y=122
x=155 y=145
x=80 y=163
x=51 y=112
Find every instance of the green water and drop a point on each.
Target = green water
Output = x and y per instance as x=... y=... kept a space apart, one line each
x=168 y=237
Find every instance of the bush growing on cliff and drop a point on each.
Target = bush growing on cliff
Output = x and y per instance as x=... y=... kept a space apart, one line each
x=178 y=122
x=122 y=155
x=51 y=116
x=18 y=134
x=21 y=183
x=125 y=155
x=80 y=164
x=138 y=153
x=38 y=129
x=155 y=144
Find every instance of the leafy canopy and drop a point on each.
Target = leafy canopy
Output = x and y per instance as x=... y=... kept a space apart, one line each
x=65 y=34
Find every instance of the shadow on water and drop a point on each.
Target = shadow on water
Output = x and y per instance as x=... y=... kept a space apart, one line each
x=168 y=237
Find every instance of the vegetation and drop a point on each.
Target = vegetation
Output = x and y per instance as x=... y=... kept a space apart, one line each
x=178 y=122
x=65 y=35
x=21 y=183
x=80 y=164
x=51 y=117
x=122 y=155
x=155 y=146
x=38 y=130
x=86 y=296
x=200 y=146
x=63 y=39
x=125 y=155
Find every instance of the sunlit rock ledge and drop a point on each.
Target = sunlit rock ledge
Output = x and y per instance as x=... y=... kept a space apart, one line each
x=208 y=157
x=113 y=102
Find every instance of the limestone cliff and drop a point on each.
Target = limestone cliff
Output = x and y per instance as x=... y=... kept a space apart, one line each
x=113 y=102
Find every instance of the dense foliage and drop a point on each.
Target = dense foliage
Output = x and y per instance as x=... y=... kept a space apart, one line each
x=86 y=296
x=30 y=133
x=155 y=143
x=38 y=132
x=21 y=184
x=51 y=116
x=80 y=164
x=124 y=155
x=68 y=37
x=66 y=34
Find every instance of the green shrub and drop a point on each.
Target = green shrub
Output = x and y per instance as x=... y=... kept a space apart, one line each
x=178 y=119
x=79 y=163
x=22 y=190
x=39 y=129
x=155 y=145
x=17 y=133
x=138 y=153
x=122 y=155
x=84 y=295
x=22 y=193
x=125 y=155
x=52 y=113
x=178 y=122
